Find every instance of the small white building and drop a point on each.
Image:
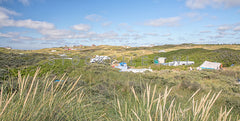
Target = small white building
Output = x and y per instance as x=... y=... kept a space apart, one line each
x=162 y=59
x=53 y=50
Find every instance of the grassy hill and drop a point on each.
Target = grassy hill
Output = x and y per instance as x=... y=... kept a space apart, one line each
x=99 y=92
x=224 y=55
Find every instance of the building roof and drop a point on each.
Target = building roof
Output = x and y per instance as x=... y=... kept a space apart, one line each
x=210 y=65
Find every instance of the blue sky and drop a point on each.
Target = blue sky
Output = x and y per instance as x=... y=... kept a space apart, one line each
x=36 y=24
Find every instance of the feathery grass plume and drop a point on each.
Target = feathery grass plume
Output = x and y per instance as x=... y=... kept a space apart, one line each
x=34 y=78
x=159 y=106
x=1 y=97
x=59 y=83
x=119 y=110
x=223 y=115
x=6 y=104
x=39 y=100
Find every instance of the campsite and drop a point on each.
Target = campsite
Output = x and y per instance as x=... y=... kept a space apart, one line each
x=98 y=84
x=120 y=60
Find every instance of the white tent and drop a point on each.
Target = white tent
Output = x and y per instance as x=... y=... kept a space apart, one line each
x=211 y=65
x=99 y=59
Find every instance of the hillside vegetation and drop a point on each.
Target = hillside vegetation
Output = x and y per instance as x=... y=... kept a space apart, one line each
x=224 y=55
x=99 y=92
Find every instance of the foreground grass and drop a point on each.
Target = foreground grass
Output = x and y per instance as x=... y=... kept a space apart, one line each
x=152 y=105
x=40 y=98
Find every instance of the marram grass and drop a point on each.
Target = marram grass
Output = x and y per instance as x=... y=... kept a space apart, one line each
x=153 y=106
x=40 y=98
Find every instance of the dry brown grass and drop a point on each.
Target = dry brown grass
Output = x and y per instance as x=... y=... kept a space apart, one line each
x=159 y=107
x=38 y=99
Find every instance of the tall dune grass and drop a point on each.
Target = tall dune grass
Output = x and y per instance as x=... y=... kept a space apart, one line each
x=153 y=106
x=42 y=99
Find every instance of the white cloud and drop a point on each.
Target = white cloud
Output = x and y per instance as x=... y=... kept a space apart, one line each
x=200 y=4
x=237 y=28
x=216 y=36
x=205 y=31
x=151 y=34
x=84 y=35
x=93 y=17
x=196 y=16
x=5 y=21
x=219 y=36
x=24 y=2
x=126 y=26
x=167 y=34
x=22 y=38
x=8 y=12
x=3 y=16
x=230 y=3
x=48 y=30
x=33 y=24
x=197 y=4
x=136 y=36
x=3 y=1
x=213 y=17
x=15 y=36
x=126 y=34
x=172 y=21
x=170 y=39
x=123 y=24
x=224 y=28
x=106 y=24
x=55 y=33
x=209 y=26
x=108 y=35
x=9 y=34
x=82 y=27
x=192 y=14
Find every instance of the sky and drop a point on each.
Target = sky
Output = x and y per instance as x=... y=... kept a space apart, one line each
x=36 y=24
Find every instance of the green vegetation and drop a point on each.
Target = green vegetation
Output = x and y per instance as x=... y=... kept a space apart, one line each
x=100 y=92
x=40 y=98
x=225 y=56
x=16 y=61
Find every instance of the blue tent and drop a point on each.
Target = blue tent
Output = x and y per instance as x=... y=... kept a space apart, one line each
x=122 y=66
x=122 y=63
x=155 y=61
x=58 y=80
